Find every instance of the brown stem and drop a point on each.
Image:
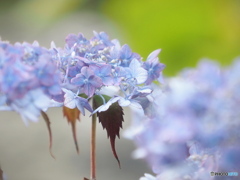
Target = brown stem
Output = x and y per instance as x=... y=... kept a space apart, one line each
x=93 y=148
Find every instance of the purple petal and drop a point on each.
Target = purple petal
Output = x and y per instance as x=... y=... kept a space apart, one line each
x=83 y=103
x=153 y=55
x=95 y=81
x=108 y=81
x=89 y=89
x=125 y=52
x=106 y=69
x=71 y=39
x=78 y=80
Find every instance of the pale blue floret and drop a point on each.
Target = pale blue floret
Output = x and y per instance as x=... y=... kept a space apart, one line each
x=153 y=67
x=126 y=56
x=105 y=73
x=87 y=81
x=72 y=100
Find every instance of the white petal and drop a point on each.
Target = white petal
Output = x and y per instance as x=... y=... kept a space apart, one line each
x=141 y=76
x=139 y=153
x=53 y=45
x=139 y=73
x=147 y=90
x=69 y=99
x=55 y=103
x=110 y=90
x=105 y=107
x=148 y=177
x=41 y=101
x=31 y=113
x=109 y=103
x=25 y=120
x=124 y=102
x=70 y=103
x=5 y=108
x=35 y=43
x=153 y=54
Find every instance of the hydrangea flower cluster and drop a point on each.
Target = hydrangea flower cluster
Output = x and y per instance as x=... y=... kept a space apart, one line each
x=33 y=78
x=28 y=79
x=101 y=66
x=192 y=126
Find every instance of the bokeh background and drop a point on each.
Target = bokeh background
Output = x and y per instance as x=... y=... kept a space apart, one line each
x=185 y=30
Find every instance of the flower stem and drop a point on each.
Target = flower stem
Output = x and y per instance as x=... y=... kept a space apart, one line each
x=93 y=148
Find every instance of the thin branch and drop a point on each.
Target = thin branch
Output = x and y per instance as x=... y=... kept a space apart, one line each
x=93 y=148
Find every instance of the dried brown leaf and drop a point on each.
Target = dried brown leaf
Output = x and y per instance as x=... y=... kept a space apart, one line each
x=72 y=116
x=48 y=123
x=1 y=174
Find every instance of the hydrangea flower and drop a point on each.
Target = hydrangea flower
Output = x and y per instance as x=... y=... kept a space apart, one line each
x=190 y=127
x=88 y=66
x=28 y=79
x=83 y=67
x=33 y=78
x=87 y=81
x=153 y=67
x=72 y=101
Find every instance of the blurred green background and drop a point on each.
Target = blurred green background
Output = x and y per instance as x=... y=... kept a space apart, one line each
x=185 y=30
